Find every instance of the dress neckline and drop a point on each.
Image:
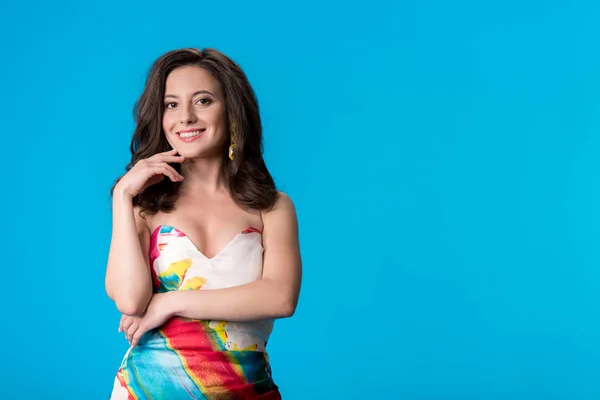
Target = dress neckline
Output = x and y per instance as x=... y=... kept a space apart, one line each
x=182 y=234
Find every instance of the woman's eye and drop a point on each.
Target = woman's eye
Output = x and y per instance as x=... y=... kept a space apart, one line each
x=170 y=105
x=203 y=101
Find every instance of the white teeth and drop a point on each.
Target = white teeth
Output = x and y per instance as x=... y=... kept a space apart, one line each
x=187 y=135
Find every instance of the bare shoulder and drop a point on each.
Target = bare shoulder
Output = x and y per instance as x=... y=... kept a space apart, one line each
x=283 y=210
x=281 y=224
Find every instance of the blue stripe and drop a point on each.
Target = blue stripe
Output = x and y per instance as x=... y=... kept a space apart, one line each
x=153 y=368
x=165 y=229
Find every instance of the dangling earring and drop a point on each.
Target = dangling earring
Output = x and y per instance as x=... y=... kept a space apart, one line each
x=232 y=141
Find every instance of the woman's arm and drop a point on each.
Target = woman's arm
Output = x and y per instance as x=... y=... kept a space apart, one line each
x=273 y=296
x=128 y=281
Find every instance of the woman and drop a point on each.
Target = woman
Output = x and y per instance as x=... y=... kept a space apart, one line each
x=204 y=253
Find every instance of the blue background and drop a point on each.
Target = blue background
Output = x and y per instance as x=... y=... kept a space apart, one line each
x=442 y=157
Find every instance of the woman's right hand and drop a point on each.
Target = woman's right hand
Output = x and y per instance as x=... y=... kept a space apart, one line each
x=149 y=171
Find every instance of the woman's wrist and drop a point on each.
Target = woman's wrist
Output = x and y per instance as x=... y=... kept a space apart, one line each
x=170 y=304
x=120 y=194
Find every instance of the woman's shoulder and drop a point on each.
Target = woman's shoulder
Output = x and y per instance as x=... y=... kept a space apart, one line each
x=282 y=210
x=282 y=202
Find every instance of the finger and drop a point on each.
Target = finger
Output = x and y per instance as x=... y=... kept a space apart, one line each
x=127 y=322
x=158 y=163
x=177 y=174
x=167 y=158
x=131 y=330
x=154 y=169
x=137 y=336
x=170 y=153
x=167 y=170
x=121 y=323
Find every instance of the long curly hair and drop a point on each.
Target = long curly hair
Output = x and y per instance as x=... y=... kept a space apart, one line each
x=250 y=183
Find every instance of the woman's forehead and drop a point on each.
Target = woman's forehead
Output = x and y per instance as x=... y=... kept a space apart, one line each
x=191 y=79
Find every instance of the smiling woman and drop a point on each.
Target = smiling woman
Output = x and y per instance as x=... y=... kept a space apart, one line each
x=198 y=307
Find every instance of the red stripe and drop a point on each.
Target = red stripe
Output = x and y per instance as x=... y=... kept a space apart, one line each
x=124 y=385
x=154 y=254
x=211 y=368
x=251 y=230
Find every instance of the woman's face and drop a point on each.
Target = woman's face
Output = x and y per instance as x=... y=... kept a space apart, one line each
x=194 y=118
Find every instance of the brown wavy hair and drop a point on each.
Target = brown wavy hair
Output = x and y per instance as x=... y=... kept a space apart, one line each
x=249 y=180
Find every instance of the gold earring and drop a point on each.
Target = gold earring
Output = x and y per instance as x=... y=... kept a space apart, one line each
x=232 y=141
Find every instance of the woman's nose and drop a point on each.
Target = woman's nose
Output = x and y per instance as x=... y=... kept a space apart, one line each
x=187 y=115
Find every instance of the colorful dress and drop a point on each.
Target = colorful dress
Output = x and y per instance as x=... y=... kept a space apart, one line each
x=194 y=359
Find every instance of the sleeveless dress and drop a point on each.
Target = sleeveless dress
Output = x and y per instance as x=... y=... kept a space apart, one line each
x=194 y=359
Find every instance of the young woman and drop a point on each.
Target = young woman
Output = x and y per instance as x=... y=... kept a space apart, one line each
x=204 y=253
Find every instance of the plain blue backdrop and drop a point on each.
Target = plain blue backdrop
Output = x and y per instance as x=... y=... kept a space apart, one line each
x=442 y=157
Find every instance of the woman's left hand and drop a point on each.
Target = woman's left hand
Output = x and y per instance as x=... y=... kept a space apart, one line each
x=135 y=326
x=129 y=325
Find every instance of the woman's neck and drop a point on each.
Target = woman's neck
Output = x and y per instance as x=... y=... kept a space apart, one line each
x=204 y=175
